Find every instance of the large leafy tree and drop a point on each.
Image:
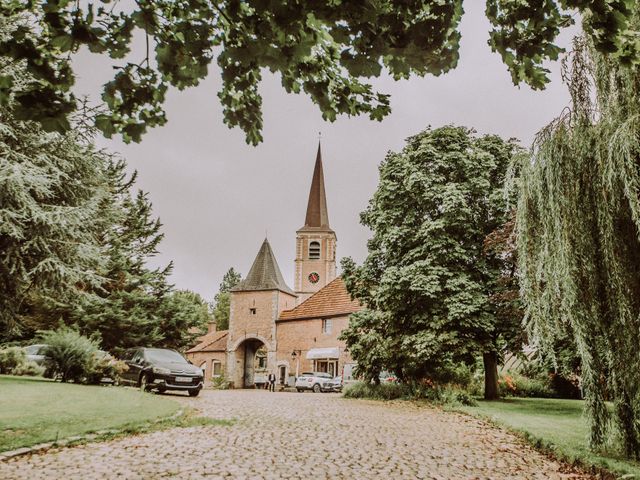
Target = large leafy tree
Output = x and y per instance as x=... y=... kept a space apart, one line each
x=222 y=299
x=428 y=282
x=579 y=235
x=323 y=48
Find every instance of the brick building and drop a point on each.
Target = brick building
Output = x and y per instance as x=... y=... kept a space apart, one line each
x=273 y=328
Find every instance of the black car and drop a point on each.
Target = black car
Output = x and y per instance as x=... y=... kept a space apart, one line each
x=161 y=369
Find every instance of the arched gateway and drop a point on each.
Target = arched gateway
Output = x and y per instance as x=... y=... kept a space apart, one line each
x=256 y=303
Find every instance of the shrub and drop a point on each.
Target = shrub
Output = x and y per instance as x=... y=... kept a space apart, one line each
x=515 y=385
x=70 y=355
x=104 y=366
x=13 y=361
x=383 y=391
x=29 y=369
x=11 y=358
x=220 y=383
x=441 y=394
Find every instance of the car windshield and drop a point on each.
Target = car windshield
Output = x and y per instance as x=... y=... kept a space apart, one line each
x=160 y=355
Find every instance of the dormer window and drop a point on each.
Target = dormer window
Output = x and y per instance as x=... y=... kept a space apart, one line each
x=314 y=250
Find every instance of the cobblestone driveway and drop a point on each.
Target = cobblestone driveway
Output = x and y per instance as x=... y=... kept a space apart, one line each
x=301 y=435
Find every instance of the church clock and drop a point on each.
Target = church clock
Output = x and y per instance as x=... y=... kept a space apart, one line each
x=314 y=277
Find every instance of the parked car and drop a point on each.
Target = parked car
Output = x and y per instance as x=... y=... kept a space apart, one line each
x=316 y=381
x=35 y=353
x=387 y=377
x=161 y=369
x=335 y=385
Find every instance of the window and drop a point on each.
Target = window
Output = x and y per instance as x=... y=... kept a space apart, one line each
x=216 y=369
x=327 y=324
x=252 y=311
x=314 y=250
x=330 y=367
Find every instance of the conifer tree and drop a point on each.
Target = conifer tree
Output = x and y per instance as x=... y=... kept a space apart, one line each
x=52 y=190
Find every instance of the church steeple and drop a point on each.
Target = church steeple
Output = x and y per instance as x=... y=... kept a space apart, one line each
x=317 y=214
x=315 y=241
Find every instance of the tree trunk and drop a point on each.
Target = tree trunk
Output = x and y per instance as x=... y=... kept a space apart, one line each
x=490 y=360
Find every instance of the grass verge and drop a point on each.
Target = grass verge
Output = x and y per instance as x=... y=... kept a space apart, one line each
x=35 y=411
x=553 y=426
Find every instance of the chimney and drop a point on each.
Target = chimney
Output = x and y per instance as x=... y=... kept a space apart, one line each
x=212 y=326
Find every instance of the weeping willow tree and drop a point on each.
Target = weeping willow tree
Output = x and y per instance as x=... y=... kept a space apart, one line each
x=579 y=237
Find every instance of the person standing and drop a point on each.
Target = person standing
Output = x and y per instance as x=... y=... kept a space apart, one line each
x=272 y=382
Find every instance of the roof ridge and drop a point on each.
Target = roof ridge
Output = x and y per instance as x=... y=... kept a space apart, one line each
x=206 y=343
x=339 y=302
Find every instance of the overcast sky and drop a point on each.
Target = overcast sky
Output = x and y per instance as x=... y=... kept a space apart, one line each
x=217 y=197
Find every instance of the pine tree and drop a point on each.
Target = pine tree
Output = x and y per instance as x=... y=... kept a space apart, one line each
x=52 y=189
x=125 y=308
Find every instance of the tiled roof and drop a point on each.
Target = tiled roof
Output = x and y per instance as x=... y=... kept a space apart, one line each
x=211 y=342
x=332 y=300
x=264 y=274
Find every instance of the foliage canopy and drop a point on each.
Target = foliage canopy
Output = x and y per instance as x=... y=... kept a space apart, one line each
x=579 y=235
x=323 y=48
x=428 y=280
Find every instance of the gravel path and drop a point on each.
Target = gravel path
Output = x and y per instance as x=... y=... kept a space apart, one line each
x=301 y=435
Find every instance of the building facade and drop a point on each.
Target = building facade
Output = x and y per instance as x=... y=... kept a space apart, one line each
x=274 y=329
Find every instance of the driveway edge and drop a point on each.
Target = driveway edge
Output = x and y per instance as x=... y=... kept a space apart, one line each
x=43 y=447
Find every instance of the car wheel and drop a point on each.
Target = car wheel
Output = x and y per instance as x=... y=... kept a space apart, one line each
x=161 y=390
x=299 y=390
x=144 y=383
x=316 y=388
x=194 y=393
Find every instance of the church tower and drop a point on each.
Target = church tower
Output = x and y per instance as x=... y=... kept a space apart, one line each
x=315 y=242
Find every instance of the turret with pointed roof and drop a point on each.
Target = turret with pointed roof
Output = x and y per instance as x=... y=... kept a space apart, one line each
x=264 y=274
x=315 y=242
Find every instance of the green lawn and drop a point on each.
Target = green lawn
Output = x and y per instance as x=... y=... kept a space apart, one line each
x=34 y=410
x=555 y=424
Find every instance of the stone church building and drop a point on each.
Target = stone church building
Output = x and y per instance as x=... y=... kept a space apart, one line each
x=273 y=328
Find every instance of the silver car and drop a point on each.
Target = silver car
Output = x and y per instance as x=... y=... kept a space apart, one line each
x=35 y=353
x=315 y=381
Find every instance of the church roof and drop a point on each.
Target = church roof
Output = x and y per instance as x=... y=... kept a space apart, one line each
x=264 y=274
x=317 y=214
x=332 y=300
x=211 y=342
